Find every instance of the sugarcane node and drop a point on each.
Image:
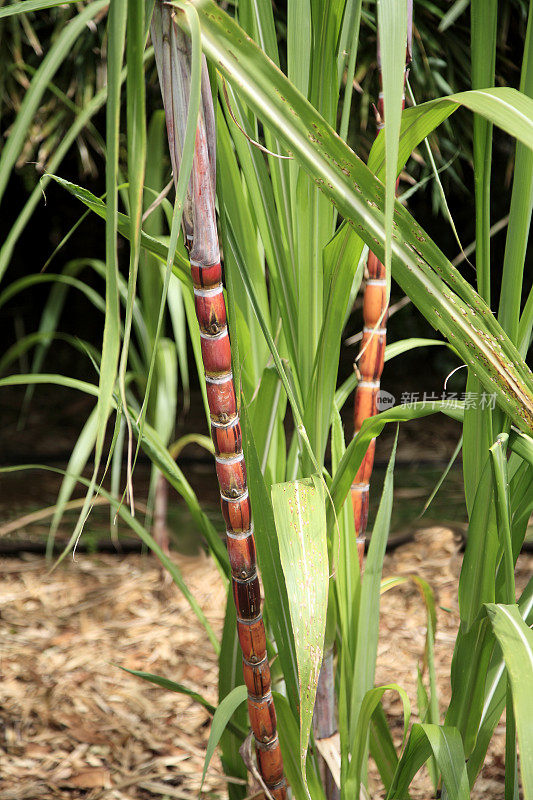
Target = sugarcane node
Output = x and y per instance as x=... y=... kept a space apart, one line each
x=242 y=556
x=376 y=270
x=270 y=760
x=257 y=677
x=279 y=792
x=262 y=718
x=221 y=398
x=372 y=355
x=237 y=514
x=216 y=353
x=374 y=303
x=231 y=473
x=252 y=638
x=206 y=277
x=247 y=596
x=365 y=402
x=227 y=439
x=210 y=310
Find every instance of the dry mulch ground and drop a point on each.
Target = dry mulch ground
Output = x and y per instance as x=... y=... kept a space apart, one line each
x=75 y=726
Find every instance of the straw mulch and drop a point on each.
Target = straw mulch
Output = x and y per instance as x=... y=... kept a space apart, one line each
x=75 y=726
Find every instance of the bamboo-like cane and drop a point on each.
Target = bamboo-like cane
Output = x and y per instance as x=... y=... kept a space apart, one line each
x=372 y=348
x=201 y=232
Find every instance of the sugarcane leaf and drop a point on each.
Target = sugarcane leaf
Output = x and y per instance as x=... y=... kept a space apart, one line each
x=289 y=736
x=153 y=245
x=179 y=688
x=507 y=108
x=500 y=479
x=476 y=582
x=111 y=336
x=136 y=149
x=267 y=398
x=80 y=121
x=172 y=686
x=263 y=205
x=483 y=35
x=345 y=559
x=222 y=716
x=392 y=32
x=382 y=747
x=299 y=513
x=495 y=692
x=348 y=42
x=516 y=641
x=31 y=5
x=367 y=632
x=370 y=702
x=519 y=216
x=405 y=345
x=39 y=84
x=444 y=475
x=39 y=338
x=76 y=464
x=343 y=267
x=231 y=194
x=455 y=11
x=351 y=460
x=67 y=280
x=446 y=746
x=417 y=264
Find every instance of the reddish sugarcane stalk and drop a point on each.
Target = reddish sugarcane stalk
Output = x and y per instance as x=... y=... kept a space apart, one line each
x=210 y=306
x=372 y=349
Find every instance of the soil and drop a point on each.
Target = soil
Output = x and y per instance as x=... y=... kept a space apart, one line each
x=75 y=726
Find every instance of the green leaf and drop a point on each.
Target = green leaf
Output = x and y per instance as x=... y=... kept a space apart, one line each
x=39 y=84
x=111 y=337
x=392 y=31
x=368 y=627
x=31 y=5
x=519 y=212
x=447 y=748
x=299 y=512
x=507 y=108
x=223 y=714
x=417 y=263
x=172 y=686
x=516 y=640
x=370 y=702
x=495 y=693
x=500 y=477
x=483 y=33
x=289 y=742
x=352 y=458
x=151 y=244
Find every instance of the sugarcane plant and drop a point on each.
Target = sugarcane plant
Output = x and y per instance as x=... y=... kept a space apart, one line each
x=371 y=358
x=200 y=231
x=296 y=211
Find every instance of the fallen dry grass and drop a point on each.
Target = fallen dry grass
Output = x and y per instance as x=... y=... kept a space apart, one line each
x=75 y=726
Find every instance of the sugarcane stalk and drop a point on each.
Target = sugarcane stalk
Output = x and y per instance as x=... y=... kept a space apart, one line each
x=172 y=56
x=372 y=348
